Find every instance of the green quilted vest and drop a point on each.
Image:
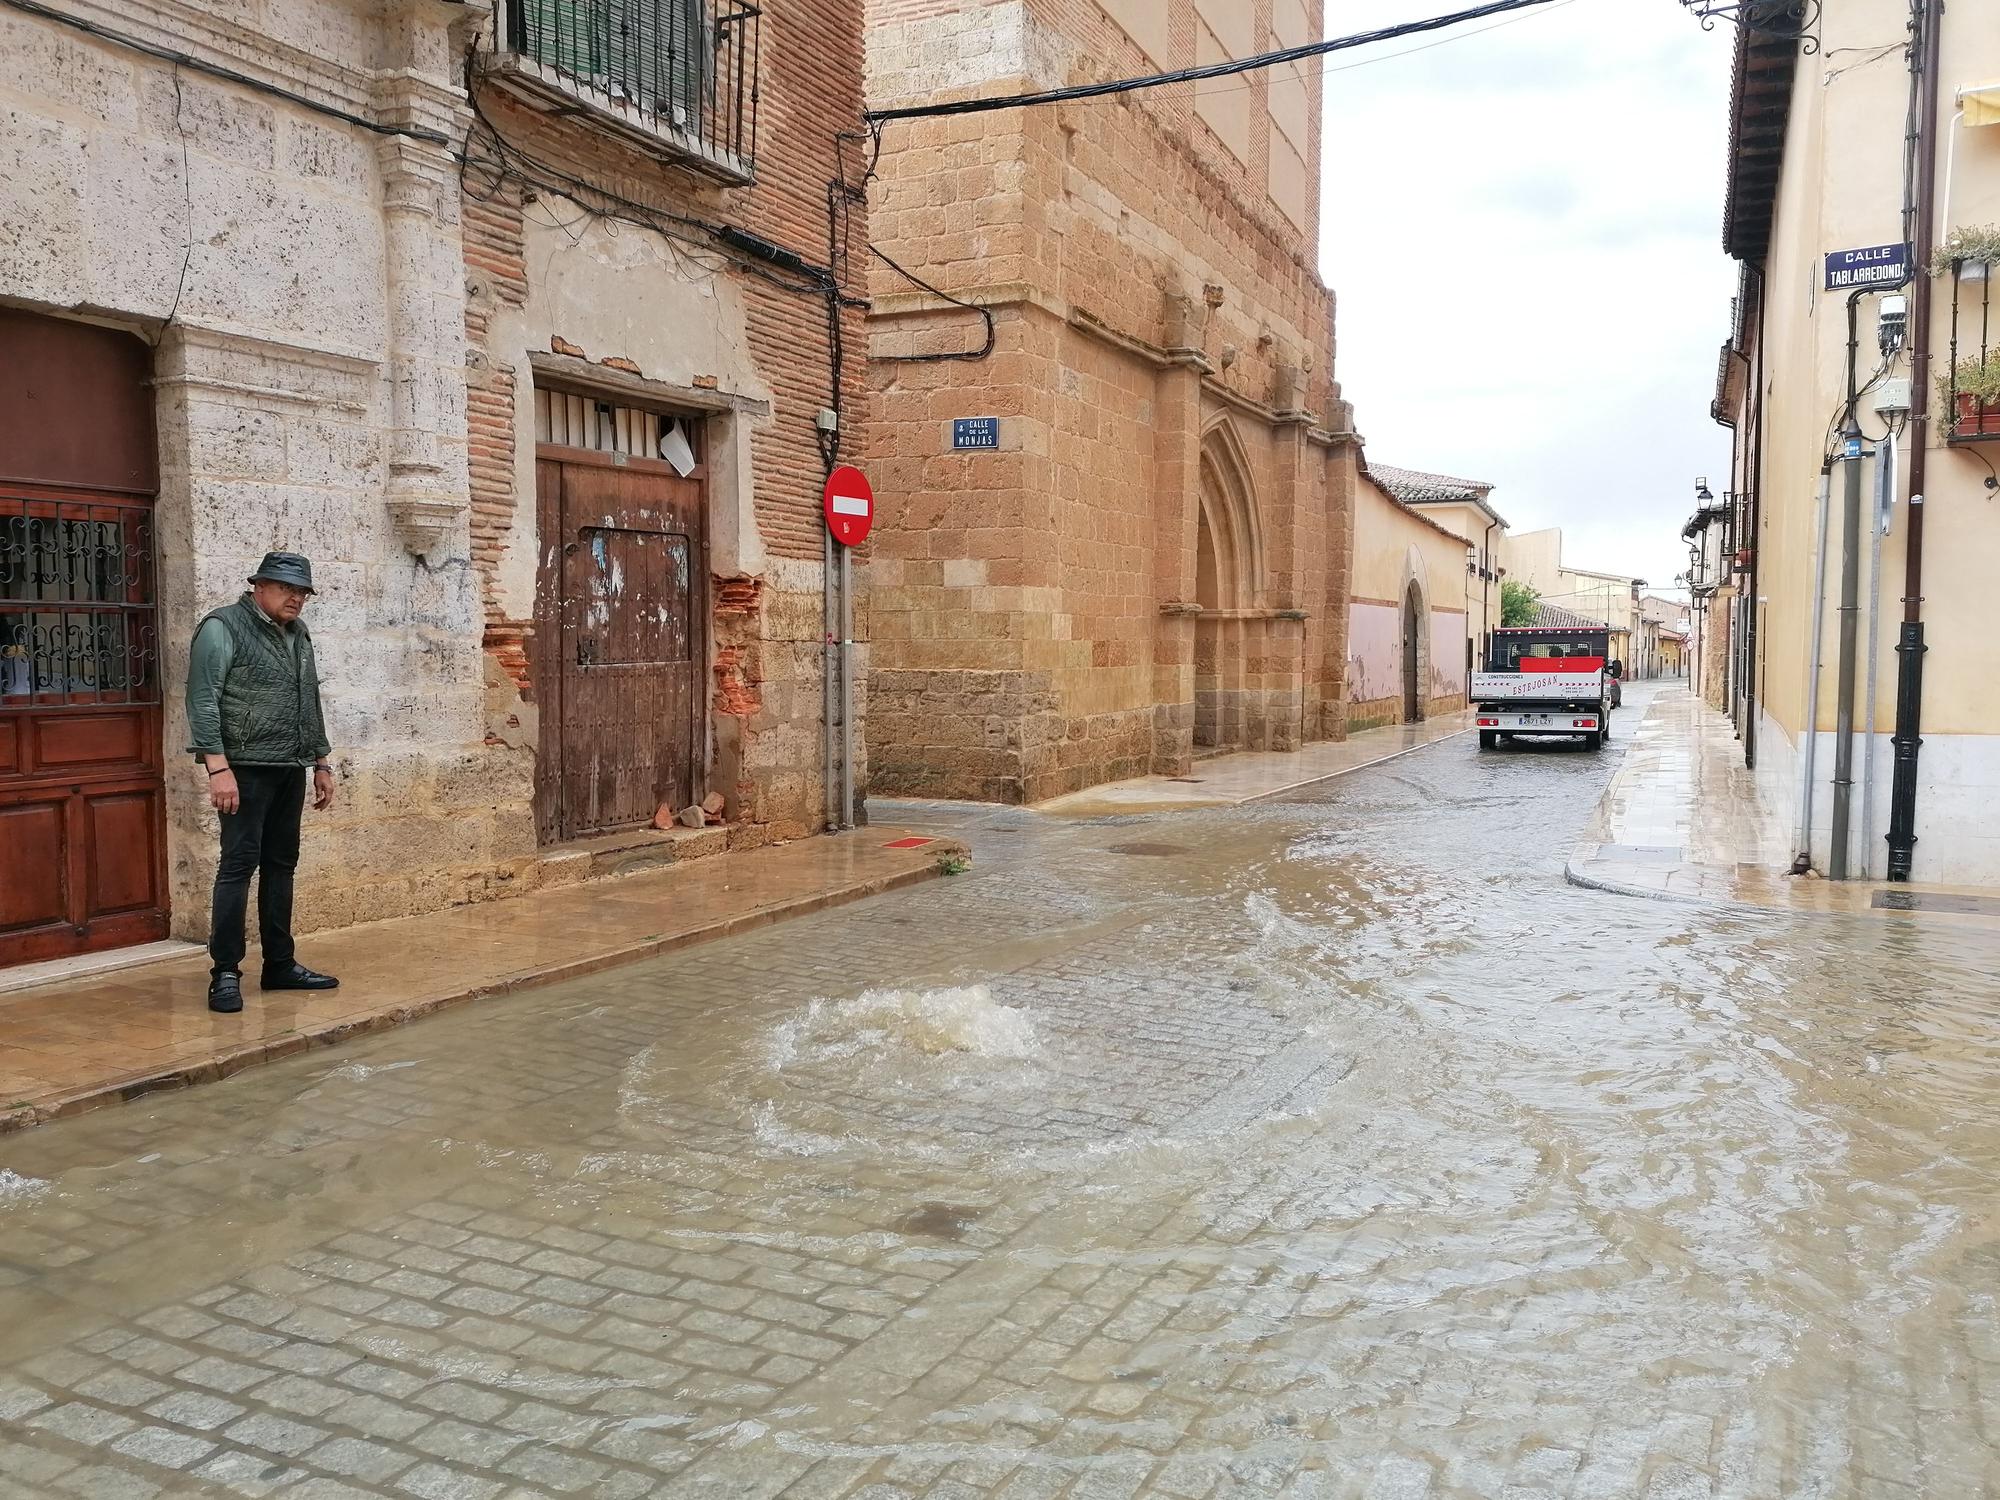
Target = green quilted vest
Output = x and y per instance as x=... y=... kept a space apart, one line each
x=270 y=702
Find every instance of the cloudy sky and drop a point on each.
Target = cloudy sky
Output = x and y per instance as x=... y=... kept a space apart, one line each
x=1523 y=230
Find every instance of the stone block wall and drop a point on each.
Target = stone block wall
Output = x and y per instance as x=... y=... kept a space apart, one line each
x=344 y=358
x=1036 y=615
x=300 y=280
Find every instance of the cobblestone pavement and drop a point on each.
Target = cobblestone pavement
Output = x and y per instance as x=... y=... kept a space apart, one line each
x=1324 y=1148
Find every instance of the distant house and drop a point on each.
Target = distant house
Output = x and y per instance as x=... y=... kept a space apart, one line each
x=1461 y=506
x=1408 y=644
x=1555 y=617
x=1536 y=559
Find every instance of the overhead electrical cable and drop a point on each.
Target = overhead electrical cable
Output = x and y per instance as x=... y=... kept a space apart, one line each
x=1211 y=70
x=1443 y=41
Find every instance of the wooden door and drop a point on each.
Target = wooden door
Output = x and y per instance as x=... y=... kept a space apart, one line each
x=82 y=820
x=1413 y=621
x=619 y=641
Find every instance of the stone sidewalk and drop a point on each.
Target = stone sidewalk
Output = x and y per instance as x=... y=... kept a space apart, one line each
x=70 y=1046
x=1681 y=820
x=1254 y=775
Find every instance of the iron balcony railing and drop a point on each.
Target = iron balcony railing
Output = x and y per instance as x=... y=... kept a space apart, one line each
x=680 y=73
x=1972 y=364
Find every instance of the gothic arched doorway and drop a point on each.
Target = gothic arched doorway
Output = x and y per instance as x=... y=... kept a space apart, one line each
x=1229 y=581
x=1414 y=626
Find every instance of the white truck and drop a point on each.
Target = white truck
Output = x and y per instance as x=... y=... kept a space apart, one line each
x=1545 y=681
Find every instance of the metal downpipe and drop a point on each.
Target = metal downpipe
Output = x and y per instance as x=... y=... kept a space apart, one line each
x=1803 y=840
x=1850 y=622
x=1885 y=500
x=1928 y=16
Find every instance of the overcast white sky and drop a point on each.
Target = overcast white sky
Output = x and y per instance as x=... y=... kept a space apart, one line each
x=1522 y=228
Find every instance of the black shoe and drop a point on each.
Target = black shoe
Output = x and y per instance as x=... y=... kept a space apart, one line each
x=296 y=976
x=225 y=993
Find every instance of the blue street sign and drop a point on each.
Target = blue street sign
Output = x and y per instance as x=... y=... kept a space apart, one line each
x=1877 y=265
x=975 y=432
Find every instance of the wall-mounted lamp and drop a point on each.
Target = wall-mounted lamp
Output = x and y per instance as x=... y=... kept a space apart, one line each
x=1786 y=18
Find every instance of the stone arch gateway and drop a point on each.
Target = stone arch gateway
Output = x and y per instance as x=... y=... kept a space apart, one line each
x=1229 y=588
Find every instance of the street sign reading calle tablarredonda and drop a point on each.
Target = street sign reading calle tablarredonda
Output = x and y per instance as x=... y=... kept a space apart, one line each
x=1877 y=265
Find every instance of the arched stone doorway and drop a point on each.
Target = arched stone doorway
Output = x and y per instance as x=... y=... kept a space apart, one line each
x=1229 y=587
x=1413 y=632
x=1416 y=639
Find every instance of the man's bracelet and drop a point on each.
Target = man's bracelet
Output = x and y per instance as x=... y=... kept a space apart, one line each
x=220 y=770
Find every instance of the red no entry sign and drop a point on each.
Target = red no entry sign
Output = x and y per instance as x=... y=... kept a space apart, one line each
x=850 y=506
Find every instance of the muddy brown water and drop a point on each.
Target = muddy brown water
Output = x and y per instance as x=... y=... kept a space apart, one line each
x=1334 y=1147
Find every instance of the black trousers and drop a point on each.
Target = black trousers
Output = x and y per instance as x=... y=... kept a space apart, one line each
x=260 y=838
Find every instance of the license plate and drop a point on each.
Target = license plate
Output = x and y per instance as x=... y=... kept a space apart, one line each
x=1533 y=719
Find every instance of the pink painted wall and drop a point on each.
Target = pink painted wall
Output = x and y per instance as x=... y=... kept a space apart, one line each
x=1447 y=654
x=1374 y=652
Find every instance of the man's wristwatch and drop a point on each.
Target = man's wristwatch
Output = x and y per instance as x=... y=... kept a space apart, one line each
x=320 y=765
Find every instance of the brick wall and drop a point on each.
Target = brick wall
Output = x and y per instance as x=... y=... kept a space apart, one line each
x=557 y=270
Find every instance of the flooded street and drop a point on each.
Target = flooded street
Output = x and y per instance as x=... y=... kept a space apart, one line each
x=1329 y=1146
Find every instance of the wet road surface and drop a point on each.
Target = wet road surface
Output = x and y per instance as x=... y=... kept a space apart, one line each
x=1325 y=1147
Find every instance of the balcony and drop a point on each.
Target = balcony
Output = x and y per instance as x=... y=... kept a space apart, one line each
x=1971 y=415
x=675 y=78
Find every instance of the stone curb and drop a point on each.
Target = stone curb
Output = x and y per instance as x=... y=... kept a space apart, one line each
x=133 y=1086
x=1366 y=765
x=1576 y=877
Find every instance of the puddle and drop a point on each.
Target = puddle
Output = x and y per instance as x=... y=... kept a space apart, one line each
x=1342 y=1148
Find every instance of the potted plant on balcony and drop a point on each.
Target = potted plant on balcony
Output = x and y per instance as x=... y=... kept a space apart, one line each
x=1973 y=389
x=1971 y=249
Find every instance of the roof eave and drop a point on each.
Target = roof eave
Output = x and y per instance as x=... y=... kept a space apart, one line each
x=1760 y=103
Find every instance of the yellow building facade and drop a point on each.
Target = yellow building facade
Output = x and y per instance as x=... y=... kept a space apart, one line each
x=1818 y=188
x=1464 y=508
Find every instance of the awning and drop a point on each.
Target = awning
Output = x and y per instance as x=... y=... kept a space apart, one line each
x=1981 y=104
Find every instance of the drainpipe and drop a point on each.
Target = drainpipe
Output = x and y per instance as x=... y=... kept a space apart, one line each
x=1753 y=520
x=1885 y=500
x=1928 y=17
x=1486 y=597
x=1803 y=861
x=1850 y=620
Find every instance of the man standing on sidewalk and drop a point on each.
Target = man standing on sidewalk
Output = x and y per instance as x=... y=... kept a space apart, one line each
x=254 y=716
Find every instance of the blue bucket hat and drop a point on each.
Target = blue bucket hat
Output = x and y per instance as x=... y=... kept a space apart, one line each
x=285 y=567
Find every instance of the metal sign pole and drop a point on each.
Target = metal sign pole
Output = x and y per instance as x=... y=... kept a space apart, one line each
x=846 y=688
x=829 y=628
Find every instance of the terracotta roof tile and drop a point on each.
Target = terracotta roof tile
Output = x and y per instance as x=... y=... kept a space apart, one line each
x=1555 y=617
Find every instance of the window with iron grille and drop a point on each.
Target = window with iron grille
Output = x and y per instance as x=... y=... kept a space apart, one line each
x=76 y=610
x=685 y=71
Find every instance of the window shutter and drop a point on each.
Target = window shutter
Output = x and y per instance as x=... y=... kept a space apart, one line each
x=566 y=35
